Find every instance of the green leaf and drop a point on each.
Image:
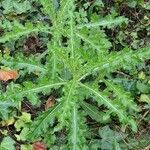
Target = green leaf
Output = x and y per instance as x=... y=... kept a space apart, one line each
x=133 y=124
x=22 y=120
x=26 y=147
x=8 y=143
x=96 y=39
x=110 y=138
x=40 y=124
x=19 y=30
x=23 y=136
x=74 y=140
x=29 y=64
x=77 y=130
x=113 y=61
x=109 y=22
x=93 y=112
x=106 y=102
x=4 y=105
x=143 y=88
x=122 y=96
x=15 y=7
x=49 y=7
x=21 y=7
x=7 y=5
x=68 y=101
x=15 y=93
x=145 y=98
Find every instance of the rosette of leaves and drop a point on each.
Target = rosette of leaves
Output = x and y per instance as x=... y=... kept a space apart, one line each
x=74 y=66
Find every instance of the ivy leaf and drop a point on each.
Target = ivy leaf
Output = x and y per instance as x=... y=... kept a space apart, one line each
x=110 y=138
x=143 y=88
x=4 y=105
x=56 y=4
x=25 y=118
x=23 y=135
x=7 y=5
x=145 y=98
x=8 y=144
x=26 y=147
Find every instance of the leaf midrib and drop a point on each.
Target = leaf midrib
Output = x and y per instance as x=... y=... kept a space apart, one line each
x=106 y=102
x=22 y=64
x=37 y=89
x=7 y=37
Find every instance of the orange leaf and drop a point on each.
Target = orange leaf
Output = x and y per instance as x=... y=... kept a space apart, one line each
x=49 y=102
x=6 y=75
x=39 y=146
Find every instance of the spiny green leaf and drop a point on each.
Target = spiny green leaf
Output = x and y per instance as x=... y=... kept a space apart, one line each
x=122 y=95
x=93 y=112
x=116 y=21
x=19 y=30
x=77 y=131
x=15 y=92
x=29 y=64
x=40 y=125
x=106 y=102
x=128 y=60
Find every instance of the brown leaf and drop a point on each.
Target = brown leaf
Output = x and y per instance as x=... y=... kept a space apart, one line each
x=39 y=146
x=49 y=102
x=6 y=75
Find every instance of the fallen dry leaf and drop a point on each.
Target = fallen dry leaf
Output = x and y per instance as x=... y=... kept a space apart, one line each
x=49 y=102
x=39 y=146
x=6 y=75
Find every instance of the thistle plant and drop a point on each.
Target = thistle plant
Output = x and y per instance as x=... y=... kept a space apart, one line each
x=74 y=67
